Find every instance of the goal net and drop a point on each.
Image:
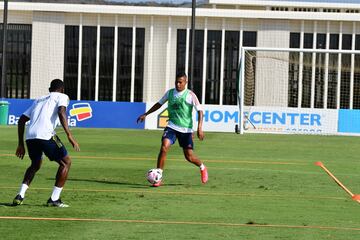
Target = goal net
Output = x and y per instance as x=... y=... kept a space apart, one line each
x=298 y=90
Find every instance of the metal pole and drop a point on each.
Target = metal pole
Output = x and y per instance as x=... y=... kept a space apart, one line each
x=3 y=76
x=192 y=44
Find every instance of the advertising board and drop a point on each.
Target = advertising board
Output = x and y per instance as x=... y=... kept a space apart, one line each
x=89 y=113
x=257 y=119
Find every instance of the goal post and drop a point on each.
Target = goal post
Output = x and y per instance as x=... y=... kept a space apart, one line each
x=240 y=93
x=290 y=90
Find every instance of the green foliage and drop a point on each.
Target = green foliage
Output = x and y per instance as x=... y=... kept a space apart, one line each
x=260 y=187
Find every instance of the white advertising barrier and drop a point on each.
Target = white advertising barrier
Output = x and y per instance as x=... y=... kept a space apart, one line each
x=220 y=118
x=257 y=119
x=290 y=120
x=216 y=118
x=153 y=120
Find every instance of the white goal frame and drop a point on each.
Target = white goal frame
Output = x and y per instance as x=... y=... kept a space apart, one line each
x=298 y=50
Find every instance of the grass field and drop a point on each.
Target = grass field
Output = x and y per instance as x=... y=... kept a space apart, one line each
x=260 y=187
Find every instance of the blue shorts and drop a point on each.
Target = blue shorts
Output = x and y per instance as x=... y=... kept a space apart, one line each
x=54 y=149
x=185 y=139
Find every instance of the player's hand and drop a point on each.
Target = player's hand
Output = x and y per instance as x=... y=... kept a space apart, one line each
x=141 y=118
x=200 y=134
x=74 y=143
x=20 y=151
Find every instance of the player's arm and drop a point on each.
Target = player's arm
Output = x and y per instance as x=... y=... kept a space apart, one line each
x=200 y=132
x=63 y=121
x=20 y=150
x=196 y=104
x=155 y=107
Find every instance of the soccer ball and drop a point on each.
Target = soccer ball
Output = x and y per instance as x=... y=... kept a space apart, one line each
x=154 y=175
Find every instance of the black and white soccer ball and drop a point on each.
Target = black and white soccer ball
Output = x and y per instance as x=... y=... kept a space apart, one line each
x=154 y=175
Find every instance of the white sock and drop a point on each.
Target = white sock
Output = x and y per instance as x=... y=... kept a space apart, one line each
x=56 y=193
x=23 y=189
x=202 y=167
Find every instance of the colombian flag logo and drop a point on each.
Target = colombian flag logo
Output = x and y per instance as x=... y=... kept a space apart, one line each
x=82 y=111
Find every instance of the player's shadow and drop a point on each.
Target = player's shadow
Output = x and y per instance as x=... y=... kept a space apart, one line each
x=131 y=184
x=24 y=204
x=7 y=205
x=173 y=184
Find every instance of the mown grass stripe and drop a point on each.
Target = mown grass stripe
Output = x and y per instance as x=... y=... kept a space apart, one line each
x=175 y=159
x=191 y=193
x=178 y=223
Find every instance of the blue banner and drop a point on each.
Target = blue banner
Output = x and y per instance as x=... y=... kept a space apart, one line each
x=349 y=121
x=89 y=114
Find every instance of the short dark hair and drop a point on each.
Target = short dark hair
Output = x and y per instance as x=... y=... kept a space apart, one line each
x=56 y=84
x=180 y=74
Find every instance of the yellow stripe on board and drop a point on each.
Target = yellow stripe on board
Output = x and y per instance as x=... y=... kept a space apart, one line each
x=220 y=224
x=76 y=111
x=205 y=160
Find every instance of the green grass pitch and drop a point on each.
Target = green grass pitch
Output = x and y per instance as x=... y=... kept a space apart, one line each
x=260 y=187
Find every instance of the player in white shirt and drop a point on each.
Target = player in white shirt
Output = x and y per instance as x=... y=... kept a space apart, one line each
x=181 y=102
x=44 y=115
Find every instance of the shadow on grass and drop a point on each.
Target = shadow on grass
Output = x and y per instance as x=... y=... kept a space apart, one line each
x=7 y=205
x=22 y=205
x=107 y=182
x=130 y=184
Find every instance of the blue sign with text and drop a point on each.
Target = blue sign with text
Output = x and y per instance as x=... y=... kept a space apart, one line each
x=89 y=113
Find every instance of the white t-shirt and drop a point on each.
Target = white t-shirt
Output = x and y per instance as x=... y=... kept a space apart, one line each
x=43 y=115
x=190 y=99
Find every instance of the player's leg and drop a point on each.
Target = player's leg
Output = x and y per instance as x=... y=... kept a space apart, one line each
x=192 y=158
x=35 y=154
x=61 y=177
x=186 y=142
x=165 y=146
x=168 y=138
x=56 y=151
x=63 y=171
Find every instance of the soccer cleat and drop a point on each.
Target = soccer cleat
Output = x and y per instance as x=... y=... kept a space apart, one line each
x=204 y=175
x=18 y=200
x=158 y=184
x=57 y=203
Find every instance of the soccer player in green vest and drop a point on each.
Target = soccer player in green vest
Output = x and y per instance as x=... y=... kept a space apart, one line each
x=181 y=102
